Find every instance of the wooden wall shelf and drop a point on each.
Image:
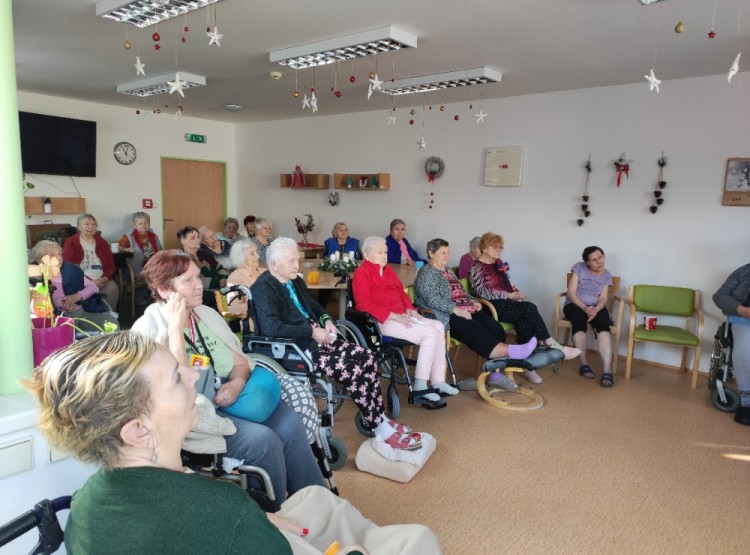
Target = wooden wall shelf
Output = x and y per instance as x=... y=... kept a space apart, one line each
x=60 y=205
x=312 y=180
x=383 y=179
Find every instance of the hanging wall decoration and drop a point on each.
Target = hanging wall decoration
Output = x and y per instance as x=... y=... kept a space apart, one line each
x=660 y=185
x=298 y=178
x=502 y=166
x=334 y=198
x=622 y=167
x=737 y=182
x=434 y=167
x=585 y=212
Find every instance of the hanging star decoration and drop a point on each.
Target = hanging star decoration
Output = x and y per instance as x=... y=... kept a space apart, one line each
x=139 y=66
x=305 y=102
x=313 y=102
x=176 y=85
x=376 y=83
x=480 y=116
x=653 y=82
x=369 y=91
x=215 y=37
x=391 y=119
x=422 y=144
x=734 y=69
x=178 y=113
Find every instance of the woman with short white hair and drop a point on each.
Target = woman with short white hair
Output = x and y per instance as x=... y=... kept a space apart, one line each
x=378 y=291
x=284 y=308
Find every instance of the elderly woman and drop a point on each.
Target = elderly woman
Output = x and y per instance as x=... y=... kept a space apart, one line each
x=284 y=308
x=231 y=233
x=180 y=321
x=439 y=290
x=586 y=303
x=123 y=402
x=464 y=264
x=244 y=256
x=141 y=241
x=490 y=279
x=262 y=237
x=399 y=249
x=213 y=249
x=91 y=252
x=378 y=291
x=74 y=295
x=249 y=223
x=340 y=242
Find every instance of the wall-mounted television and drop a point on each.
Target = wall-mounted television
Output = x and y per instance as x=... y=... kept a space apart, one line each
x=57 y=146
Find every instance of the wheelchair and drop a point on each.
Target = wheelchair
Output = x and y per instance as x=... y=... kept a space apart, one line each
x=723 y=397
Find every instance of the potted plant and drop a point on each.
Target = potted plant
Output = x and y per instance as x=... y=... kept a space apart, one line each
x=47 y=205
x=305 y=227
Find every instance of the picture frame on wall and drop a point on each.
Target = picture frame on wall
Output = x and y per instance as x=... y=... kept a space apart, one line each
x=737 y=182
x=502 y=166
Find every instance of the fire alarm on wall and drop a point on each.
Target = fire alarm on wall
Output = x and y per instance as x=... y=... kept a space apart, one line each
x=148 y=203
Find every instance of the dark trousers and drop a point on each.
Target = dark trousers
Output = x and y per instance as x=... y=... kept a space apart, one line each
x=525 y=318
x=578 y=319
x=481 y=334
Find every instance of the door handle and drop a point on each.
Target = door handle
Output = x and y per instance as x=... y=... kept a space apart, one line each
x=168 y=219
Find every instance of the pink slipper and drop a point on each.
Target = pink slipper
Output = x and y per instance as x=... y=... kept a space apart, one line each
x=571 y=352
x=404 y=429
x=403 y=442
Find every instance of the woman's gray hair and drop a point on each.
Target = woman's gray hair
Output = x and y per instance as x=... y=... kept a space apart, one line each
x=231 y=220
x=474 y=243
x=434 y=244
x=40 y=249
x=259 y=223
x=277 y=248
x=85 y=216
x=371 y=242
x=395 y=222
x=237 y=252
x=141 y=215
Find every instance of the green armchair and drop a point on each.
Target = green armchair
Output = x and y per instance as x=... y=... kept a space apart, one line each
x=667 y=301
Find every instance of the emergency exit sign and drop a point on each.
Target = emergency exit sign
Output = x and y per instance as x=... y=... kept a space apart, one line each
x=194 y=138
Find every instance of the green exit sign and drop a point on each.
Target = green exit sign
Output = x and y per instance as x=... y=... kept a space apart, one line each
x=194 y=138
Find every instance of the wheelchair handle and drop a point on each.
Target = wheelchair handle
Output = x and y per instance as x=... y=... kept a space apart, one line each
x=236 y=288
x=42 y=516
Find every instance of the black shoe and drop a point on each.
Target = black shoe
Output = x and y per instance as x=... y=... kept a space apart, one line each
x=743 y=416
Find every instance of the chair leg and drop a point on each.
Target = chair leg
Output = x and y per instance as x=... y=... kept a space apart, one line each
x=696 y=363
x=615 y=351
x=629 y=360
x=683 y=363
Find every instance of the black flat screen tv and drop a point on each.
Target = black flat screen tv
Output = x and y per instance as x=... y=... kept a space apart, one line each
x=54 y=145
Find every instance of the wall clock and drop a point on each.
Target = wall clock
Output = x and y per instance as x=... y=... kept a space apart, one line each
x=124 y=153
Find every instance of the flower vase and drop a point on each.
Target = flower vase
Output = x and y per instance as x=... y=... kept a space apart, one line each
x=46 y=340
x=304 y=239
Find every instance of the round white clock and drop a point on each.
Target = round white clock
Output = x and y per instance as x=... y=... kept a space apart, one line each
x=124 y=153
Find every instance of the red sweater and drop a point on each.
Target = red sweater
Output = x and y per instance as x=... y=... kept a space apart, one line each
x=73 y=252
x=379 y=295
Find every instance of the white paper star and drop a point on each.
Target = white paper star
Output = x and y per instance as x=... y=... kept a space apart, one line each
x=653 y=82
x=369 y=91
x=305 y=102
x=176 y=85
x=734 y=69
x=178 y=113
x=391 y=119
x=422 y=144
x=314 y=103
x=139 y=67
x=480 y=116
x=215 y=37
x=376 y=83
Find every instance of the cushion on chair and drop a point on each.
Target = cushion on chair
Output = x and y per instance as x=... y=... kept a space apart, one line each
x=369 y=460
x=666 y=334
x=657 y=299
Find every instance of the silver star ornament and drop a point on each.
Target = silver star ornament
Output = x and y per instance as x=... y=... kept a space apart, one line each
x=176 y=85
x=314 y=103
x=480 y=116
x=305 y=102
x=653 y=82
x=139 y=66
x=215 y=37
x=391 y=119
x=376 y=83
x=422 y=144
x=734 y=69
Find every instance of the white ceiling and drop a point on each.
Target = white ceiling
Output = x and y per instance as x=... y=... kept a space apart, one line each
x=63 y=49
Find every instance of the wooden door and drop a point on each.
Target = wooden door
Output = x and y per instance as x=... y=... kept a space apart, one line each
x=193 y=193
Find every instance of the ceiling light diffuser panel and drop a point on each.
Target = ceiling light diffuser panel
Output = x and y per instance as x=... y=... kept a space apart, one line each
x=437 y=81
x=143 y=13
x=159 y=84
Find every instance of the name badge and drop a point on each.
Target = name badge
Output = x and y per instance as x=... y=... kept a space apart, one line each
x=96 y=266
x=199 y=361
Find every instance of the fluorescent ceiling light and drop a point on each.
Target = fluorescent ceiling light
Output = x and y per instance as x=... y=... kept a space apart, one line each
x=143 y=13
x=647 y=2
x=158 y=84
x=437 y=81
x=367 y=43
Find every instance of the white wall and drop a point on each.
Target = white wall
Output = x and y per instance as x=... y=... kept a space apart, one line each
x=116 y=191
x=692 y=241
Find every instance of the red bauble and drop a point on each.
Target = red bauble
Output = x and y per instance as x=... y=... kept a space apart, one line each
x=208 y=29
x=184 y=39
x=352 y=79
x=455 y=117
x=312 y=90
x=156 y=37
x=186 y=28
x=338 y=94
x=411 y=122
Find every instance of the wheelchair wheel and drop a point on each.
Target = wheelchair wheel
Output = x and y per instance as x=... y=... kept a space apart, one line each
x=717 y=359
x=349 y=332
x=733 y=400
x=338 y=397
x=268 y=363
x=361 y=427
x=394 y=403
x=339 y=453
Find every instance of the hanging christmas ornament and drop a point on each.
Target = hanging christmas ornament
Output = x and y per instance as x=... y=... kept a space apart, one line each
x=372 y=75
x=455 y=117
x=653 y=82
x=334 y=198
x=481 y=115
x=139 y=66
x=313 y=101
x=215 y=37
x=680 y=27
x=622 y=167
x=660 y=185
x=352 y=79
x=295 y=94
x=156 y=37
x=391 y=119
x=442 y=108
x=412 y=111
x=305 y=101
x=585 y=212
x=421 y=144
x=126 y=45
x=434 y=167
x=734 y=69
x=712 y=33
x=411 y=122
x=176 y=85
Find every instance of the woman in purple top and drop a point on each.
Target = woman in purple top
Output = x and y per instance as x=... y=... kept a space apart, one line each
x=464 y=265
x=586 y=304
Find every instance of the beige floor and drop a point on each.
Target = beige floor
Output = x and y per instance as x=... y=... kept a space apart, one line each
x=648 y=466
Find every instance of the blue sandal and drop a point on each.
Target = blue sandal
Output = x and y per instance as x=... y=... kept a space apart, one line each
x=607 y=380
x=587 y=372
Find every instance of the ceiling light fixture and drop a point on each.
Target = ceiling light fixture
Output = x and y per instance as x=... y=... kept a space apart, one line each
x=647 y=2
x=159 y=84
x=367 y=43
x=143 y=13
x=450 y=80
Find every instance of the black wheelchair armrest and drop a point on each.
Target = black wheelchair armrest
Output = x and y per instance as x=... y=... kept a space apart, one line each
x=43 y=517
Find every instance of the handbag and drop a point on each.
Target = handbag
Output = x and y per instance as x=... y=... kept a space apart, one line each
x=297 y=395
x=258 y=399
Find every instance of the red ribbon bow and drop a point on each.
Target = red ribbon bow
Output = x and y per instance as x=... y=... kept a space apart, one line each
x=621 y=168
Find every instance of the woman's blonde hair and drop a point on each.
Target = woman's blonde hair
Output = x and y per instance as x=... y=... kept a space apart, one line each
x=87 y=392
x=489 y=239
x=336 y=227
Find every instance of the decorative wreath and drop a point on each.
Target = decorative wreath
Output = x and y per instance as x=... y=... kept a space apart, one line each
x=434 y=167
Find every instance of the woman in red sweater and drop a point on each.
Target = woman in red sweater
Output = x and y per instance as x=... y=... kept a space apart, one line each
x=378 y=291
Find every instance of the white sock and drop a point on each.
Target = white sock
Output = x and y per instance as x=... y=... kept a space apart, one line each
x=443 y=387
x=419 y=384
x=552 y=343
x=384 y=430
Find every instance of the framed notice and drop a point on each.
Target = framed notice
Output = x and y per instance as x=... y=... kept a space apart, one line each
x=737 y=182
x=502 y=166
